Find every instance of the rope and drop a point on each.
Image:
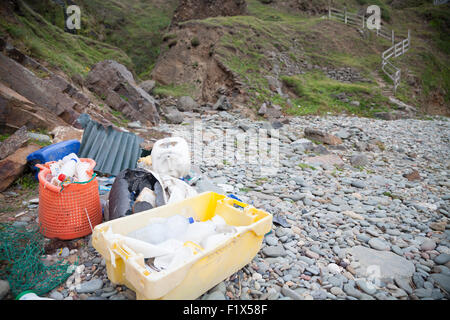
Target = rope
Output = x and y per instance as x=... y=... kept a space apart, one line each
x=21 y=263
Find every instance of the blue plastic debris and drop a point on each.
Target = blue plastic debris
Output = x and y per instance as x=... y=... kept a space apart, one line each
x=234 y=197
x=52 y=152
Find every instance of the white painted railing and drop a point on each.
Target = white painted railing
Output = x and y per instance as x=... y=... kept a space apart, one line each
x=397 y=49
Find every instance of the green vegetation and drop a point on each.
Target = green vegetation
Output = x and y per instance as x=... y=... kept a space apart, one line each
x=73 y=54
x=140 y=27
x=269 y=29
x=174 y=90
x=135 y=26
x=121 y=117
x=40 y=143
x=305 y=166
x=393 y=196
x=4 y=137
x=27 y=182
x=317 y=95
x=195 y=42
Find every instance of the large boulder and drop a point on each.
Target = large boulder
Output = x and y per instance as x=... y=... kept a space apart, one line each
x=14 y=142
x=115 y=83
x=326 y=160
x=324 y=137
x=186 y=103
x=384 y=265
x=222 y=104
x=148 y=85
x=17 y=111
x=64 y=133
x=172 y=115
x=12 y=166
x=47 y=90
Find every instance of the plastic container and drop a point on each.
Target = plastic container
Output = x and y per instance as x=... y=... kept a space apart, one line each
x=170 y=156
x=81 y=170
x=52 y=152
x=71 y=211
x=206 y=269
x=68 y=170
x=30 y=295
x=159 y=231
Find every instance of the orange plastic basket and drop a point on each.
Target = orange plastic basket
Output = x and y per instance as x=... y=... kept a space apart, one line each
x=64 y=212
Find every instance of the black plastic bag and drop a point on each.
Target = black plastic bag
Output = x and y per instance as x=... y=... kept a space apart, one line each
x=126 y=188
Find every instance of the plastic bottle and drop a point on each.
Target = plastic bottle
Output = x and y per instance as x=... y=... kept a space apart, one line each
x=198 y=231
x=30 y=295
x=69 y=157
x=177 y=226
x=68 y=169
x=163 y=229
x=81 y=168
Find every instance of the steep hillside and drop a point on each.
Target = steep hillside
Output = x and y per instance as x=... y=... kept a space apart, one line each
x=278 y=52
x=34 y=35
x=294 y=42
x=136 y=27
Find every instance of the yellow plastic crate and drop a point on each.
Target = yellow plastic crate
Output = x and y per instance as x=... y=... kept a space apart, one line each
x=207 y=269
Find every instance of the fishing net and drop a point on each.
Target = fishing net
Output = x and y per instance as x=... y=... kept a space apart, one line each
x=21 y=253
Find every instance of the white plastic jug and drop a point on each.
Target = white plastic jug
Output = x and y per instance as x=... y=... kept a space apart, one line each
x=170 y=156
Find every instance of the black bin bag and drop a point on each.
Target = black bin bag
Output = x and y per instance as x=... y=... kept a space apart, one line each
x=127 y=187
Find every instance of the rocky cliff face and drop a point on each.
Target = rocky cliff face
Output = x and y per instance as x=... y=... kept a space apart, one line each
x=39 y=85
x=114 y=83
x=195 y=64
x=202 y=9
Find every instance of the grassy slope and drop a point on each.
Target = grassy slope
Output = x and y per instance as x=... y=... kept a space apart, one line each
x=333 y=44
x=134 y=26
x=268 y=30
x=73 y=54
x=137 y=27
x=429 y=57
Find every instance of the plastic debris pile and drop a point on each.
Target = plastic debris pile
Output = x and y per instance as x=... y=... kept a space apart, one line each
x=167 y=243
x=158 y=180
x=21 y=262
x=68 y=170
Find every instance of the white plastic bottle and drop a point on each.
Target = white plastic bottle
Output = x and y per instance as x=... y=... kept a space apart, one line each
x=81 y=168
x=30 y=295
x=69 y=157
x=68 y=169
x=198 y=231
x=177 y=226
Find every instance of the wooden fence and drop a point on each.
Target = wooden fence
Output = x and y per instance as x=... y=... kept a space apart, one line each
x=397 y=49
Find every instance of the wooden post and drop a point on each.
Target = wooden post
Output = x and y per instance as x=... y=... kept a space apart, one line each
x=329 y=10
x=393 y=37
x=363 y=21
x=345 y=15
